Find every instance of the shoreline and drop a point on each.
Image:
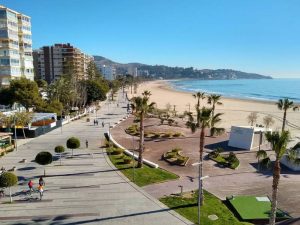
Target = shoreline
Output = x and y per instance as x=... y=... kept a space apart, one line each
x=171 y=88
x=235 y=111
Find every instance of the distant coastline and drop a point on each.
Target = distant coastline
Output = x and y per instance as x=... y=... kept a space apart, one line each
x=263 y=90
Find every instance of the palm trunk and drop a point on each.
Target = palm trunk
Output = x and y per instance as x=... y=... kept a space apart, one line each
x=284 y=120
x=211 y=123
x=23 y=132
x=141 y=147
x=202 y=136
x=276 y=177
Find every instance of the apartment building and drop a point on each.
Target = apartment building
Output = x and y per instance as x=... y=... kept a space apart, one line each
x=15 y=46
x=109 y=72
x=50 y=62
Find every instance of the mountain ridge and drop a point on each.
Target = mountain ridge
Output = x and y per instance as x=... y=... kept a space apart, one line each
x=168 y=72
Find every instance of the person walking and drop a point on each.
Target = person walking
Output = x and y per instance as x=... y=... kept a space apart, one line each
x=30 y=186
x=41 y=191
x=41 y=181
x=86 y=143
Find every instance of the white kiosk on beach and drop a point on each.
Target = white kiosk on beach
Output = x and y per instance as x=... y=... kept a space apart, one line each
x=247 y=137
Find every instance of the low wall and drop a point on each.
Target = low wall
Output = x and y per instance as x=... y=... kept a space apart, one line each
x=290 y=165
x=129 y=153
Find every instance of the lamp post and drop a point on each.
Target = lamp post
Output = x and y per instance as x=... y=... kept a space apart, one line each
x=16 y=145
x=61 y=122
x=133 y=164
x=200 y=179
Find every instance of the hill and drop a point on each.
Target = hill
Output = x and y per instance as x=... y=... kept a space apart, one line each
x=167 y=72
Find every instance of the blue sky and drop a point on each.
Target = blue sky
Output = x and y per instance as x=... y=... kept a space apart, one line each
x=260 y=36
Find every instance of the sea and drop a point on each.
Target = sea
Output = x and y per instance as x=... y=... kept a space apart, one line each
x=256 y=89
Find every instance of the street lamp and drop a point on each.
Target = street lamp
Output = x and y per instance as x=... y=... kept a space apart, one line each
x=16 y=145
x=133 y=165
x=199 y=186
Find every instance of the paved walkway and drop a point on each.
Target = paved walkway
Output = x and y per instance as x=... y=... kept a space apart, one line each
x=86 y=189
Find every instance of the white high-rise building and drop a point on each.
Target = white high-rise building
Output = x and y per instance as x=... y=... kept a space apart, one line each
x=15 y=46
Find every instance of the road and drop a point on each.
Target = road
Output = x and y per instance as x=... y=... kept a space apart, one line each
x=85 y=189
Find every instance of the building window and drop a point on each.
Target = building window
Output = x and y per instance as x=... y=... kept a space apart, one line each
x=3 y=14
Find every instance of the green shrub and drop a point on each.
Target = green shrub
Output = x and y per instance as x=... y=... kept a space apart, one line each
x=177 y=134
x=73 y=143
x=170 y=155
x=156 y=135
x=176 y=150
x=170 y=122
x=59 y=149
x=180 y=160
x=43 y=158
x=117 y=151
x=8 y=179
x=127 y=160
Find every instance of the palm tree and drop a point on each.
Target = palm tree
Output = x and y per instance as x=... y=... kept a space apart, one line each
x=285 y=105
x=199 y=95
x=141 y=107
x=214 y=121
x=204 y=116
x=279 y=146
x=213 y=100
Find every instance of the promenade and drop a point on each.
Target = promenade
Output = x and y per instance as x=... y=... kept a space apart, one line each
x=86 y=189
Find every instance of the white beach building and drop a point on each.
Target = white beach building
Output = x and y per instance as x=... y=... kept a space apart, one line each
x=247 y=137
x=294 y=144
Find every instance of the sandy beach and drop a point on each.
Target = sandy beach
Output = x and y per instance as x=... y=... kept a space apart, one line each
x=235 y=110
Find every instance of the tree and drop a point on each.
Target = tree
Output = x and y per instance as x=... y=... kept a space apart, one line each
x=73 y=143
x=53 y=106
x=96 y=90
x=214 y=100
x=114 y=85
x=6 y=97
x=204 y=117
x=22 y=119
x=42 y=83
x=214 y=121
x=268 y=121
x=199 y=95
x=252 y=118
x=285 y=105
x=7 y=180
x=25 y=92
x=278 y=143
x=44 y=158
x=59 y=149
x=5 y=120
x=141 y=107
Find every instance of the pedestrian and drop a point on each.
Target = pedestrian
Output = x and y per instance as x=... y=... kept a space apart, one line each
x=41 y=181
x=86 y=143
x=102 y=124
x=30 y=186
x=97 y=122
x=41 y=191
x=94 y=122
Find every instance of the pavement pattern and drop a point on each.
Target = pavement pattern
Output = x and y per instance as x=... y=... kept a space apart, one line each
x=86 y=188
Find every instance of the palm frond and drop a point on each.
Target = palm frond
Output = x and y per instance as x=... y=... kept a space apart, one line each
x=261 y=154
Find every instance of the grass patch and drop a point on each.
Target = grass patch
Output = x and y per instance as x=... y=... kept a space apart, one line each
x=250 y=207
x=187 y=207
x=143 y=176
